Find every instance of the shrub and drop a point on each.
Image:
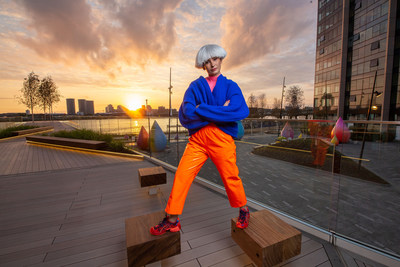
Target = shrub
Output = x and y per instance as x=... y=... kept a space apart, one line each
x=84 y=134
x=112 y=145
x=8 y=132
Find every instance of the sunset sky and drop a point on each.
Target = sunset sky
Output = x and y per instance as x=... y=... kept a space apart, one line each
x=121 y=51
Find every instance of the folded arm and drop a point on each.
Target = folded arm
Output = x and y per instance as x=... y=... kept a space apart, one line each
x=234 y=109
x=187 y=113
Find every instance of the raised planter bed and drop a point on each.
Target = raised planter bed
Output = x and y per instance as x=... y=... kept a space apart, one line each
x=33 y=130
x=89 y=144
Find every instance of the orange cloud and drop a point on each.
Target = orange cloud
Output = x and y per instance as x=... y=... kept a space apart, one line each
x=60 y=30
x=253 y=29
x=126 y=32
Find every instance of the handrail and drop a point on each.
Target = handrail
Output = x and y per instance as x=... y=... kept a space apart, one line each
x=329 y=121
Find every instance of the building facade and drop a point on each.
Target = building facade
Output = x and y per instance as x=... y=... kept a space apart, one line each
x=89 y=109
x=82 y=106
x=71 y=106
x=357 y=60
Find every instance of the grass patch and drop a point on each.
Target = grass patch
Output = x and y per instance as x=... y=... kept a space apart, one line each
x=112 y=145
x=8 y=132
x=298 y=151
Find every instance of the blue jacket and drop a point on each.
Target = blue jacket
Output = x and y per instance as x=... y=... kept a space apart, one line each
x=210 y=106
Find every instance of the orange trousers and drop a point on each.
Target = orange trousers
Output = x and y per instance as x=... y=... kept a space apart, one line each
x=208 y=142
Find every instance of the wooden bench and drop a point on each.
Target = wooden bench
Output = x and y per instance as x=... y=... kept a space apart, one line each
x=144 y=248
x=33 y=130
x=61 y=141
x=267 y=240
x=151 y=177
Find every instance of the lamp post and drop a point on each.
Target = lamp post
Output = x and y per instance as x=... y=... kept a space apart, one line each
x=283 y=91
x=377 y=94
x=326 y=102
x=148 y=119
x=280 y=111
x=170 y=110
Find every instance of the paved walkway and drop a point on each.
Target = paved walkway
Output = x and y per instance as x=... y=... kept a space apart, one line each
x=362 y=210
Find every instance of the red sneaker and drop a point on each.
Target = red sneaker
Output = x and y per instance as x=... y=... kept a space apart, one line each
x=164 y=226
x=243 y=219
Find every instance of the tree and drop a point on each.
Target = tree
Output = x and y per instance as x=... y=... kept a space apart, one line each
x=48 y=94
x=294 y=101
x=276 y=108
x=262 y=101
x=29 y=92
x=252 y=101
x=54 y=98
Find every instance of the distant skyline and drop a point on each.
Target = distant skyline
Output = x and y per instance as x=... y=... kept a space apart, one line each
x=121 y=52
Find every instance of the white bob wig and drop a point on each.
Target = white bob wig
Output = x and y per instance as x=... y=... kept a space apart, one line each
x=207 y=52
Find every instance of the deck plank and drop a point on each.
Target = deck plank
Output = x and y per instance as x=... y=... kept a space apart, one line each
x=66 y=207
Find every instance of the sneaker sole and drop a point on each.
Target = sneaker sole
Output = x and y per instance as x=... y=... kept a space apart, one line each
x=173 y=230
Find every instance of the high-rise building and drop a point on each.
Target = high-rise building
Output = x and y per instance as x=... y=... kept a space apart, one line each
x=357 y=60
x=71 y=106
x=89 y=109
x=110 y=109
x=82 y=106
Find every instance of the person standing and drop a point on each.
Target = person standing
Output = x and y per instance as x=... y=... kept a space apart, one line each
x=210 y=110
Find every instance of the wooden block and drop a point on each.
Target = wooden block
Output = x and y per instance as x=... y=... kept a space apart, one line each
x=152 y=176
x=142 y=247
x=267 y=240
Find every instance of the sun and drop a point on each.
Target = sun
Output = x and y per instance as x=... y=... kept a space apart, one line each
x=133 y=102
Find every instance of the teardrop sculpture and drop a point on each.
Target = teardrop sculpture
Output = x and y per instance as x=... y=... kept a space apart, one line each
x=287 y=131
x=143 y=139
x=158 y=140
x=341 y=131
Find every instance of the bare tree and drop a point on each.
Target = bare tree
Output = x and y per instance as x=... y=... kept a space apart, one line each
x=276 y=107
x=54 y=98
x=29 y=92
x=262 y=101
x=294 y=100
x=252 y=101
x=44 y=95
x=48 y=94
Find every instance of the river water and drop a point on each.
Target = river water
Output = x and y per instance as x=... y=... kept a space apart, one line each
x=126 y=126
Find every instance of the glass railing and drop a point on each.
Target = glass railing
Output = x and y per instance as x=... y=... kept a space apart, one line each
x=347 y=184
x=126 y=126
x=6 y=124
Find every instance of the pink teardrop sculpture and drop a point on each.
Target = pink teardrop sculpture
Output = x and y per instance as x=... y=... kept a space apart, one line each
x=287 y=131
x=341 y=131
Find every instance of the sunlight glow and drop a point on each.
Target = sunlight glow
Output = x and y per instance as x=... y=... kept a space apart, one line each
x=133 y=102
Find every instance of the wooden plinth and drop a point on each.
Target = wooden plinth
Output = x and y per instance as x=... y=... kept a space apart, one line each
x=152 y=176
x=142 y=247
x=267 y=240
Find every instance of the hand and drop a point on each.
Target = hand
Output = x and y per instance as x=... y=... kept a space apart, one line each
x=197 y=106
x=227 y=103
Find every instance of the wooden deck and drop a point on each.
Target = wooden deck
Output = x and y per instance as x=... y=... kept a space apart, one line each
x=61 y=207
